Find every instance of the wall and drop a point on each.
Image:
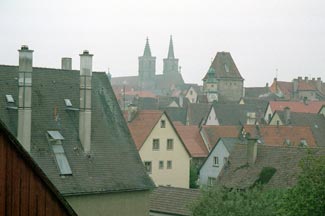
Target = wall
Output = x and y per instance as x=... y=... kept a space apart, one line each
x=212 y=118
x=178 y=176
x=121 y=204
x=191 y=97
x=231 y=89
x=275 y=119
x=267 y=113
x=208 y=169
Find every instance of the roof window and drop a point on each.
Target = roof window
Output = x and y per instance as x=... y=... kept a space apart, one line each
x=55 y=135
x=10 y=99
x=68 y=102
x=61 y=160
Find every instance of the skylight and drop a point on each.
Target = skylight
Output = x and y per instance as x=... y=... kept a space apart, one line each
x=61 y=160
x=55 y=135
x=68 y=102
x=10 y=99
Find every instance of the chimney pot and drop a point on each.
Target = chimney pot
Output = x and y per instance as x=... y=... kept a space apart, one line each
x=299 y=78
x=66 y=63
x=306 y=78
x=85 y=52
x=319 y=79
x=24 y=47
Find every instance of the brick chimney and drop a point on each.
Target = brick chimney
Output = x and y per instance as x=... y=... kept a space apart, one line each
x=66 y=63
x=85 y=100
x=25 y=96
x=251 y=150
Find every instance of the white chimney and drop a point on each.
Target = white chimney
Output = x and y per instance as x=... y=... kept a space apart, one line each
x=25 y=96
x=85 y=100
x=66 y=63
x=251 y=151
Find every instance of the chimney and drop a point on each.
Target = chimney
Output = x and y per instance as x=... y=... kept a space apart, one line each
x=306 y=78
x=319 y=84
x=299 y=78
x=181 y=100
x=251 y=151
x=132 y=111
x=85 y=100
x=287 y=115
x=25 y=96
x=295 y=85
x=66 y=63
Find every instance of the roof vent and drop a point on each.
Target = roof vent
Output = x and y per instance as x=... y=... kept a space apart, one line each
x=24 y=47
x=86 y=52
x=10 y=99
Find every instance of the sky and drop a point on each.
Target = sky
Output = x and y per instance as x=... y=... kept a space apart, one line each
x=266 y=38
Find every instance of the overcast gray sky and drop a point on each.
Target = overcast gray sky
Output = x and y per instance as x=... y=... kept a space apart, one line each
x=261 y=35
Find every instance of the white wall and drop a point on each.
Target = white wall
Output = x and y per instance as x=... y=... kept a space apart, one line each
x=212 y=118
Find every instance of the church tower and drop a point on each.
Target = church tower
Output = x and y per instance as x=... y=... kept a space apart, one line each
x=147 y=64
x=170 y=63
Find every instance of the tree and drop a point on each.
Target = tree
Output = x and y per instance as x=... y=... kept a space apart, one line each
x=221 y=201
x=193 y=176
x=308 y=196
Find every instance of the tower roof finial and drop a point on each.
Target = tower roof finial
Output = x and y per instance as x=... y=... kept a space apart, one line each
x=147 y=51
x=171 y=48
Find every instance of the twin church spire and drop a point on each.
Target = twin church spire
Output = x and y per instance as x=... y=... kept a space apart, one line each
x=147 y=63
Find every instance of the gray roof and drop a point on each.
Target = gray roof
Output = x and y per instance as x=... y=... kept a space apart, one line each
x=256 y=92
x=176 y=114
x=106 y=168
x=285 y=160
x=173 y=201
x=197 y=112
x=316 y=122
x=236 y=114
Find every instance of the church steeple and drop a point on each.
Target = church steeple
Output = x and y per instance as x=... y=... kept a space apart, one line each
x=147 y=64
x=170 y=63
x=171 y=49
x=147 y=51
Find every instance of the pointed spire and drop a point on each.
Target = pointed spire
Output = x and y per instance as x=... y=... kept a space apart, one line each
x=171 y=49
x=147 y=51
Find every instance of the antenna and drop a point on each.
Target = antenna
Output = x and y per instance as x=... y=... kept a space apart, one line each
x=276 y=72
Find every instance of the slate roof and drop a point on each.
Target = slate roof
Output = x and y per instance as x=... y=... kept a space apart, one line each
x=316 y=122
x=142 y=125
x=256 y=92
x=111 y=142
x=176 y=114
x=224 y=67
x=236 y=114
x=173 y=201
x=28 y=160
x=297 y=106
x=146 y=103
x=215 y=132
x=277 y=135
x=192 y=139
x=196 y=113
x=284 y=159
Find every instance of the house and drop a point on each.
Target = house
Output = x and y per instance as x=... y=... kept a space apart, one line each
x=212 y=133
x=171 y=201
x=295 y=106
x=190 y=134
x=192 y=92
x=216 y=160
x=161 y=149
x=280 y=135
x=71 y=124
x=223 y=80
x=24 y=187
x=272 y=166
x=147 y=79
x=197 y=113
x=235 y=114
x=316 y=122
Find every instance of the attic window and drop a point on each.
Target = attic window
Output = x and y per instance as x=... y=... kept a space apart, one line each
x=162 y=123
x=10 y=99
x=68 y=102
x=55 y=135
x=61 y=160
x=226 y=68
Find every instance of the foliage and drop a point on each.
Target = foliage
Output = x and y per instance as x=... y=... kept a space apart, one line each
x=308 y=196
x=221 y=201
x=193 y=176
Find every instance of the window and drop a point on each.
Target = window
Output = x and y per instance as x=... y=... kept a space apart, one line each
x=147 y=165
x=155 y=144
x=61 y=160
x=162 y=123
x=169 y=164
x=226 y=68
x=215 y=161
x=191 y=92
x=161 y=164
x=170 y=144
x=211 y=181
x=68 y=102
x=10 y=99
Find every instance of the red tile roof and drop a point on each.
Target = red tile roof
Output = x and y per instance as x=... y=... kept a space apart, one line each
x=214 y=132
x=192 y=139
x=295 y=106
x=304 y=86
x=285 y=87
x=277 y=135
x=146 y=94
x=142 y=125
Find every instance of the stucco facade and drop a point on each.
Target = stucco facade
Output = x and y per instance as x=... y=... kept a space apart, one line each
x=191 y=95
x=125 y=203
x=178 y=174
x=212 y=118
x=213 y=165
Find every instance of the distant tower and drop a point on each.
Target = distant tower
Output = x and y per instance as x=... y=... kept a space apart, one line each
x=170 y=63
x=147 y=64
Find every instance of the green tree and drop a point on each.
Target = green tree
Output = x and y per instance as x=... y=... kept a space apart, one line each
x=308 y=196
x=221 y=201
x=193 y=176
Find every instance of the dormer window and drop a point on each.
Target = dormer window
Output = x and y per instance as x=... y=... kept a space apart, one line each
x=10 y=99
x=303 y=143
x=68 y=102
x=226 y=68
